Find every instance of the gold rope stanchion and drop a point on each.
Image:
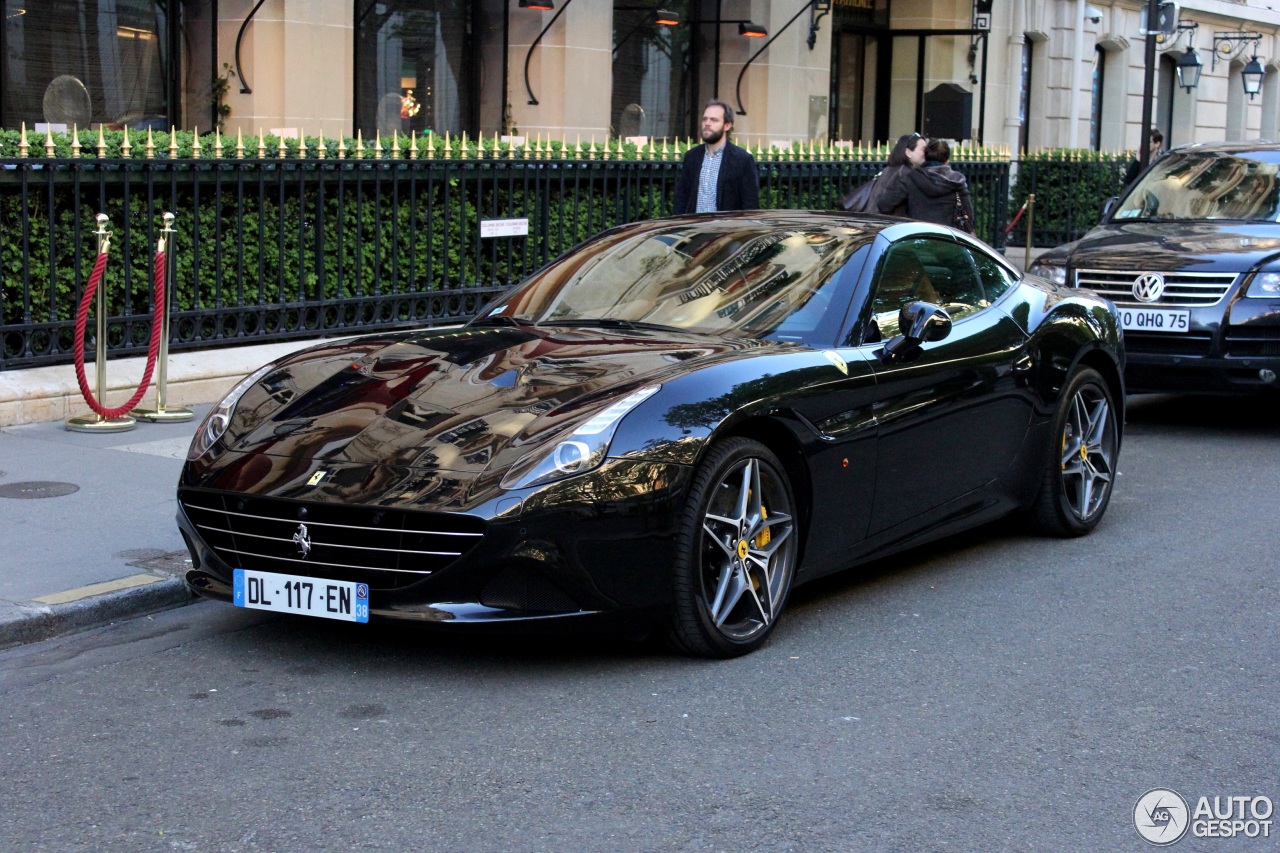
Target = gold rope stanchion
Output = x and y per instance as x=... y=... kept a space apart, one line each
x=92 y=421
x=1031 y=221
x=160 y=413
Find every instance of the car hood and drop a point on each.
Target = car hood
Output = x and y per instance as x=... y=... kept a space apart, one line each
x=462 y=400
x=1166 y=246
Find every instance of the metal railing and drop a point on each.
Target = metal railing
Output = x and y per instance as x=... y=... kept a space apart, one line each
x=273 y=249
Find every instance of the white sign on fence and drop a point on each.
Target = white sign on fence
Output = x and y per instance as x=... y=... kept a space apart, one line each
x=504 y=227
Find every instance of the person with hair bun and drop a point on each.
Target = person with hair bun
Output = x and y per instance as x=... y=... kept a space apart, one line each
x=935 y=192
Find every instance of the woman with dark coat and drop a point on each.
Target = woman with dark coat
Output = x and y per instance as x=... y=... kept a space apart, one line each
x=930 y=192
x=903 y=159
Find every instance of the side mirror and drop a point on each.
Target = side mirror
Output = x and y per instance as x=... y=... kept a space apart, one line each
x=919 y=322
x=1108 y=206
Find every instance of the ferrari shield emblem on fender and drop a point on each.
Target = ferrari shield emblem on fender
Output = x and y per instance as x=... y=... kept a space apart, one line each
x=316 y=477
x=837 y=361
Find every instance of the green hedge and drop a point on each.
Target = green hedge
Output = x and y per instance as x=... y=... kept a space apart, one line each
x=1070 y=187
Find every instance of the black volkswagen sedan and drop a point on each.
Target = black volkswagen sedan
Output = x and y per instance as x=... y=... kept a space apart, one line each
x=668 y=427
x=1191 y=256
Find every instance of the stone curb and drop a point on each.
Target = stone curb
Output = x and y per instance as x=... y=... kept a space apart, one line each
x=23 y=623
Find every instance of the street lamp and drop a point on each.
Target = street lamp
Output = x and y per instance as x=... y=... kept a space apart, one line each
x=1188 y=69
x=1252 y=76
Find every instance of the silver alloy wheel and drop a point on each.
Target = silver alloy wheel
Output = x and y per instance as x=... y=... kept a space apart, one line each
x=1088 y=452
x=747 y=551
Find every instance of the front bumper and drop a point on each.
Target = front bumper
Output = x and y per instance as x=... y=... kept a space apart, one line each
x=589 y=552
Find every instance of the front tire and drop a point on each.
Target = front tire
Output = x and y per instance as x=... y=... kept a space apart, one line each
x=1080 y=470
x=736 y=552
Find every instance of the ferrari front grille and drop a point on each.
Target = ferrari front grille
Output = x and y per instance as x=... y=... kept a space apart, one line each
x=1181 y=289
x=383 y=547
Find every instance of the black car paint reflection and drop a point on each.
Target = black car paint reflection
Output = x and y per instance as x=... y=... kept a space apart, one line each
x=771 y=336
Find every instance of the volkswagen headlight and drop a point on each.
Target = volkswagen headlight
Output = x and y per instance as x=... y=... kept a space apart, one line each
x=1056 y=273
x=216 y=422
x=582 y=450
x=1265 y=285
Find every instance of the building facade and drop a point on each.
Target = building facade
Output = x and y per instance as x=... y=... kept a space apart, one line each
x=1023 y=73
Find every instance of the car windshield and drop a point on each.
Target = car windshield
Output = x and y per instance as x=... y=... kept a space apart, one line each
x=750 y=278
x=1199 y=185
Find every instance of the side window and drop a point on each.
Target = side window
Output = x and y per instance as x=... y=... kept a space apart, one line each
x=927 y=270
x=996 y=277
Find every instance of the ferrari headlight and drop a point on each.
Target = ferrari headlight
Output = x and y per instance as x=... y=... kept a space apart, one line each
x=1265 y=285
x=1056 y=273
x=582 y=450
x=217 y=421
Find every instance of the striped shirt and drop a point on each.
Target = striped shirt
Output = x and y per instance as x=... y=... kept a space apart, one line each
x=707 y=179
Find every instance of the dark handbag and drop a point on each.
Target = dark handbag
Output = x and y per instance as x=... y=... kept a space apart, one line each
x=858 y=199
x=960 y=217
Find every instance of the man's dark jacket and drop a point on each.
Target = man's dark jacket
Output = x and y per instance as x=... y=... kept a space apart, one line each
x=737 y=188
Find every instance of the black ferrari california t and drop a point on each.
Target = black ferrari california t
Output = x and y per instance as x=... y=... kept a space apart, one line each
x=668 y=427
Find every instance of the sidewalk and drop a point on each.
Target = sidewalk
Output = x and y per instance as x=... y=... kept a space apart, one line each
x=87 y=519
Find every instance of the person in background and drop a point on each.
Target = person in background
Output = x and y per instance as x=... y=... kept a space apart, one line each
x=717 y=175
x=907 y=154
x=1153 y=151
x=935 y=192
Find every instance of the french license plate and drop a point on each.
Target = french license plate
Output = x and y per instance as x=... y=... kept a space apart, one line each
x=327 y=599
x=1155 y=319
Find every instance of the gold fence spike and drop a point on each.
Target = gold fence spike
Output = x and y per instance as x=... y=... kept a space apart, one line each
x=431 y=145
x=413 y=144
x=75 y=141
x=173 y=142
x=395 y=144
x=217 y=143
x=48 y=141
x=151 y=145
x=262 y=145
x=195 y=143
x=302 y=144
x=359 y=145
x=239 y=144
x=102 y=144
x=126 y=149
x=281 y=148
x=377 y=144
x=342 y=147
x=448 y=147
x=321 y=149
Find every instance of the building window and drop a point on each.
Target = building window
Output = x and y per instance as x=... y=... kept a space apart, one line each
x=1024 y=100
x=653 y=87
x=82 y=63
x=1099 y=79
x=413 y=66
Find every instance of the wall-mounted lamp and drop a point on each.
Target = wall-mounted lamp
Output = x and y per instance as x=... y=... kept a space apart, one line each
x=1188 y=68
x=750 y=30
x=665 y=18
x=1251 y=76
x=542 y=6
x=656 y=18
x=1230 y=45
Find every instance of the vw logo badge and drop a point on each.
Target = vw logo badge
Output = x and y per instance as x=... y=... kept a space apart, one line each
x=303 y=540
x=1148 y=287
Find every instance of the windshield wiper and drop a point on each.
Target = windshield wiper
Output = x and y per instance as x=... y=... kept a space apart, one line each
x=501 y=320
x=613 y=323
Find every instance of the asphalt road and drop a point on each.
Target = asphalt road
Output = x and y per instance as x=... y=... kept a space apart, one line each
x=994 y=692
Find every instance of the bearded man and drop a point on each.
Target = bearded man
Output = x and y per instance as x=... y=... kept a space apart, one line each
x=717 y=175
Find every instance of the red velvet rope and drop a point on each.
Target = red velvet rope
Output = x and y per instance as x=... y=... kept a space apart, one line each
x=157 y=324
x=1016 y=217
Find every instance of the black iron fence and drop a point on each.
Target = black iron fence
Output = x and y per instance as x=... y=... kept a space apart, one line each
x=289 y=248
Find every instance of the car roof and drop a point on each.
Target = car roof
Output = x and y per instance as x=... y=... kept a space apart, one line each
x=1259 y=146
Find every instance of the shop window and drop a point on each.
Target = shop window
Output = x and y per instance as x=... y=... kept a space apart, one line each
x=413 y=66
x=82 y=63
x=653 y=87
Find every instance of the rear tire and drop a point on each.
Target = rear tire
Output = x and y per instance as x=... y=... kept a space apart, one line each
x=1080 y=465
x=736 y=552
